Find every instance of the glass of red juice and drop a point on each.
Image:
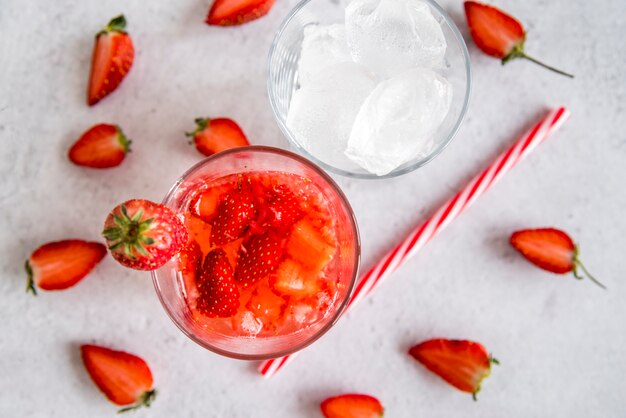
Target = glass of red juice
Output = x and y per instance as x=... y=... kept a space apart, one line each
x=272 y=256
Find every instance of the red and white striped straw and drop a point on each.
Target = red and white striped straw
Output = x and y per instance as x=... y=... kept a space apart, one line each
x=442 y=218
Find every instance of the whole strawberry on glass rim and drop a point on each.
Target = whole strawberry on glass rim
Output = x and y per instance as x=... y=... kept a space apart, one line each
x=498 y=34
x=551 y=249
x=143 y=235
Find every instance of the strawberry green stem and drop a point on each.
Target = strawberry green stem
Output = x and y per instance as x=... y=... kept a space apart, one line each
x=556 y=70
x=578 y=263
x=144 y=400
x=518 y=52
x=30 y=282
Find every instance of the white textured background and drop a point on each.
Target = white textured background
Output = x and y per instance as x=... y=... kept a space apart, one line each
x=562 y=343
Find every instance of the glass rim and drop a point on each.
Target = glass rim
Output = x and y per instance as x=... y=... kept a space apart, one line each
x=365 y=175
x=357 y=256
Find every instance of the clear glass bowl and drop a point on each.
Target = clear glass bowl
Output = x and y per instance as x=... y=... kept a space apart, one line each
x=282 y=76
x=168 y=279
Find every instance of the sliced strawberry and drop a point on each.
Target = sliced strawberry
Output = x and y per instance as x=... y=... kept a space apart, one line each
x=144 y=235
x=124 y=378
x=237 y=12
x=259 y=256
x=234 y=213
x=291 y=279
x=219 y=296
x=62 y=264
x=204 y=205
x=217 y=135
x=285 y=207
x=352 y=406
x=267 y=307
x=113 y=56
x=311 y=245
x=101 y=146
x=498 y=34
x=463 y=364
x=550 y=249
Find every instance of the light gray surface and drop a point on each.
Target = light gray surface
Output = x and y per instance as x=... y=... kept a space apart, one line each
x=561 y=342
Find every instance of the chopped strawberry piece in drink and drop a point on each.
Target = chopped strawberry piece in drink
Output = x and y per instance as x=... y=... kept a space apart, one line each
x=310 y=245
x=258 y=257
x=292 y=279
x=204 y=205
x=285 y=208
x=234 y=213
x=190 y=263
x=219 y=296
x=266 y=306
x=200 y=232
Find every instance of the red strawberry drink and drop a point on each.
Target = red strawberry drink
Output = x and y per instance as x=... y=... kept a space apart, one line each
x=271 y=258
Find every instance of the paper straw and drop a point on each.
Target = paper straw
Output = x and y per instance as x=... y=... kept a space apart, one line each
x=442 y=218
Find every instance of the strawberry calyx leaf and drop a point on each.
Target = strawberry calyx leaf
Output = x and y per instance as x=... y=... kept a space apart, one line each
x=30 y=282
x=145 y=399
x=123 y=140
x=117 y=24
x=129 y=233
x=492 y=361
x=201 y=124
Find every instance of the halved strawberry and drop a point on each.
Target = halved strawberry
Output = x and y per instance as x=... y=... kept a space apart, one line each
x=291 y=279
x=237 y=12
x=101 y=146
x=200 y=232
x=215 y=135
x=463 y=364
x=113 y=56
x=499 y=34
x=143 y=235
x=234 y=213
x=219 y=296
x=61 y=264
x=124 y=378
x=285 y=208
x=259 y=256
x=310 y=245
x=550 y=249
x=352 y=405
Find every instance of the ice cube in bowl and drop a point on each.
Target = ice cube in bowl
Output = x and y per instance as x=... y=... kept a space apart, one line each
x=283 y=80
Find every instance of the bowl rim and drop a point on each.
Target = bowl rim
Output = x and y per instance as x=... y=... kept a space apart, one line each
x=355 y=268
x=365 y=175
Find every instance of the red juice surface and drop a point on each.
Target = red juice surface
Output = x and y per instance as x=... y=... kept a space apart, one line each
x=299 y=285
